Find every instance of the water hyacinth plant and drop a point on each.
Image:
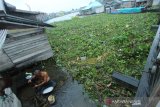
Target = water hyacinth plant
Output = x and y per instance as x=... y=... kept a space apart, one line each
x=91 y=48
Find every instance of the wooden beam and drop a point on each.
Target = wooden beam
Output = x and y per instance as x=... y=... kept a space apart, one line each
x=125 y=80
x=154 y=27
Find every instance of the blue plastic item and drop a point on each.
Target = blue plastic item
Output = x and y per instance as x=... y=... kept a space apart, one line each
x=128 y=10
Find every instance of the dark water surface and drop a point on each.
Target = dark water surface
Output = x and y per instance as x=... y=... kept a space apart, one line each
x=68 y=92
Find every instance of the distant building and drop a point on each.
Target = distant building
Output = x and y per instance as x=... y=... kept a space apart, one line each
x=155 y=3
x=112 y=5
x=128 y=3
x=141 y=3
x=93 y=8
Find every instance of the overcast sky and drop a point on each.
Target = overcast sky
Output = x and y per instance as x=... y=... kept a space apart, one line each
x=49 y=5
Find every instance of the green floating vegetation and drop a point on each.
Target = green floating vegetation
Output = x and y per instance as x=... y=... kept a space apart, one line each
x=91 y=48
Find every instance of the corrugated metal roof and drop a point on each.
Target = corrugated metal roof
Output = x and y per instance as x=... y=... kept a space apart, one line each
x=27 y=47
x=9 y=21
x=128 y=0
x=93 y=5
x=3 y=34
x=141 y=0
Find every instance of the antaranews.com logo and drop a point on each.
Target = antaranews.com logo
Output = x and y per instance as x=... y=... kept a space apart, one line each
x=122 y=102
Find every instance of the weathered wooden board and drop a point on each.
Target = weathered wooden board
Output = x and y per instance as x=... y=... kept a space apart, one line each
x=125 y=80
x=154 y=27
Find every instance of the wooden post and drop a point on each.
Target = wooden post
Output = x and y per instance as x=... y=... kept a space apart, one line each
x=155 y=96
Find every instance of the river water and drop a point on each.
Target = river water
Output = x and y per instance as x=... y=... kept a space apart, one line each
x=68 y=92
x=63 y=18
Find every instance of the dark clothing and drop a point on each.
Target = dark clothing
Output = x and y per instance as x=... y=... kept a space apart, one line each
x=41 y=88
